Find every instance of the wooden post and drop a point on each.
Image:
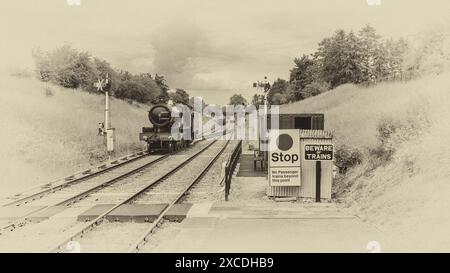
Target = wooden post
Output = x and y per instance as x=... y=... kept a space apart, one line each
x=318 y=176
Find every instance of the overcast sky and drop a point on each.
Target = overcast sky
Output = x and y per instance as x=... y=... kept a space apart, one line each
x=212 y=48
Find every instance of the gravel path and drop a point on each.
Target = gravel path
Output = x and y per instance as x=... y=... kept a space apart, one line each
x=211 y=187
x=167 y=190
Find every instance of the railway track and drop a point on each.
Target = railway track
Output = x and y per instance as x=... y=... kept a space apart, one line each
x=209 y=189
x=41 y=190
x=43 y=234
x=70 y=189
x=169 y=187
x=73 y=191
x=204 y=183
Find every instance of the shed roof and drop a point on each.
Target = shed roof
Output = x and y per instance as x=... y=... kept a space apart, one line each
x=316 y=134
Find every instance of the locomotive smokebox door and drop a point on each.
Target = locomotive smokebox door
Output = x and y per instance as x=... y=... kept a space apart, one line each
x=110 y=139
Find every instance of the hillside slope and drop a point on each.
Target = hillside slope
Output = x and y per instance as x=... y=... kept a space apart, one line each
x=406 y=195
x=49 y=132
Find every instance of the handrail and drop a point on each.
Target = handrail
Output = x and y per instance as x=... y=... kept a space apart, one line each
x=230 y=167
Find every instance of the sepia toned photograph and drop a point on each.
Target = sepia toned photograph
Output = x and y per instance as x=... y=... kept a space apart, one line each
x=251 y=128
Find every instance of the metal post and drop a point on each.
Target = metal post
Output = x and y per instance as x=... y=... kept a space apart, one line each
x=264 y=137
x=108 y=132
x=227 y=182
x=107 y=125
x=318 y=177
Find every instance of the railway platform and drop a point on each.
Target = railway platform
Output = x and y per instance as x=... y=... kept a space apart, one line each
x=248 y=166
x=267 y=228
x=252 y=222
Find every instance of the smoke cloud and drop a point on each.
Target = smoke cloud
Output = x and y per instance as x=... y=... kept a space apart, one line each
x=179 y=48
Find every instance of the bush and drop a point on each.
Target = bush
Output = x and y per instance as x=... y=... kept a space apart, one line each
x=392 y=132
x=66 y=67
x=347 y=157
x=133 y=90
x=71 y=68
x=314 y=89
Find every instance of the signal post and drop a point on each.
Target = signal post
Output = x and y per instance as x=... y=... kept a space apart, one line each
x=104 y=85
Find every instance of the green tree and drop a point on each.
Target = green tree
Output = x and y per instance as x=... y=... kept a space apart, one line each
x=396 y=53
x=151 y=87
x=133 y=90
x=258 y=100
x=125 y=75
x=305 y=72
x=340 y=59
x=180 y=96
x=301 y=75
x=279 y=92
x=372 y=55
x=104 y=68
x=313 y=89
x=72 y=69
x=237 y=99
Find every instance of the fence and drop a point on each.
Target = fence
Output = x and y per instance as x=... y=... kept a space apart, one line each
x=230 y=167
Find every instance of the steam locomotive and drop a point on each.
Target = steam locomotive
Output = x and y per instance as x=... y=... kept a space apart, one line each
x=159 y=137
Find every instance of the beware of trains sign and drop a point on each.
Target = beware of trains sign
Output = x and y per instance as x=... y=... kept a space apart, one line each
x=284 y=158
x=318 y=152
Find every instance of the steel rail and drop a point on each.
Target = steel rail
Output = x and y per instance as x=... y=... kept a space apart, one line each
x=143 y=239
x=85 y=193
x=87 y=175
x=97 y=221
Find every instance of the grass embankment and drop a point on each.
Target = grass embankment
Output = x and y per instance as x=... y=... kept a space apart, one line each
x=403 y=182
x=48 y=132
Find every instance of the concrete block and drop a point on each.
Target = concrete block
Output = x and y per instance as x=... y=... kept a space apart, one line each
x=45 y=213
x=136 y=212
x=178 y=212
x=94 y=212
